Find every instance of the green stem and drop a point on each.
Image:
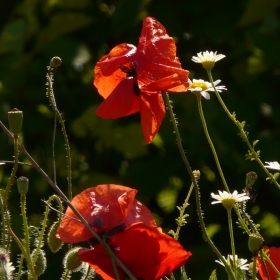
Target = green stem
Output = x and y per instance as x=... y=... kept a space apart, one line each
x=24 y=218
x=198 y=95
x=254 y=268
x=197 y=195
x=232 y=240
x=41 y=236
x=66 y=274
x=266 y=257
x=50 y=94
x=20 y=267
x=66 y=200
x=243 y=134
x=109 y=251
x=182 y=211
x=200 y=110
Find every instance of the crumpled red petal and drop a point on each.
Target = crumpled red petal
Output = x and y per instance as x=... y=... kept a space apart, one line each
x=99 y=259
x=156 y=57
x=274 y=254
x=152 y=111
x=121 y=102
x=107 y=74
x=104 y=207
x=146 y=252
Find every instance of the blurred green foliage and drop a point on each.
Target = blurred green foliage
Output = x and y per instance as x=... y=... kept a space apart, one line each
x=114 y=151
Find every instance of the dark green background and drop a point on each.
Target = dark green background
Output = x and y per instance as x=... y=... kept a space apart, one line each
x=114 y=151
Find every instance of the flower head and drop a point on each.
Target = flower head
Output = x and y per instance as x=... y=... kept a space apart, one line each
x=130 y=230
x=227 y=199
x=240 y=263
x=6 y=267
x=274 y=254
x=131 y=79
x=146 y=252
x=207 y=59
x=203 y=87
x=273 y=165
x=106 y=208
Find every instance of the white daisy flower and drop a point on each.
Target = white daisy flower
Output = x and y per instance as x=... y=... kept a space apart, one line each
x=273 y=165
x=240 y=263
x=207 y=59
x=203 y=87
x=227 y=199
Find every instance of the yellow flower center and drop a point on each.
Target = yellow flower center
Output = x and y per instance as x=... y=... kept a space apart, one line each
x=228 y=203
x=199 y=84
x=208 y=65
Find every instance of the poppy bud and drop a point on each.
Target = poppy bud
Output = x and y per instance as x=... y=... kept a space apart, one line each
x=72 y=261
x=23 y=184
x=255 y=242
x=54 y=243
x=41 y=262
x=15 y=121
x=55 y=61
x=251 y=178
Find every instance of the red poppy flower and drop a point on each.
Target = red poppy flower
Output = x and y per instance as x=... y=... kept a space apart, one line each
x=105 y=208
x=131 y=79
x=274 y=254
x=146 y=252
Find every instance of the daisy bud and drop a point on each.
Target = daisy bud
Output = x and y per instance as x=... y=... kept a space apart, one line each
x=72 y=261
x=251 y=178
x=15 y=121
x=54 y=243
x=6 y=267
x=41 y=262
x=255 y=242
x=55 y=61
x=23 y=184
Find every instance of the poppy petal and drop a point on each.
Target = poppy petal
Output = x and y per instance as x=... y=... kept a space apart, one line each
x=170 y=83
x=274 y=254
x=148 y=253
x=107 y=74
x=156 y=56
x=152 y=112
x=99 y=259
x=96 y=205
x=121 y=102
x=140 y=213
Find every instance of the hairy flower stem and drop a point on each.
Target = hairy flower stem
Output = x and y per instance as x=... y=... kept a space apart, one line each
x=200 y=110
x=243 y=134
x=197 y=195
x=182 y=211
x=66 y=200
x=25 y=224
x=50 y=94
x=232 y=240
x=44 y=224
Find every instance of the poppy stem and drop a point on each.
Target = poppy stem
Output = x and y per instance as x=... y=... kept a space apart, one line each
x=196 y=188
x=57 y=114
x=65 y=199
